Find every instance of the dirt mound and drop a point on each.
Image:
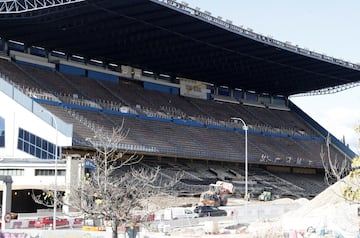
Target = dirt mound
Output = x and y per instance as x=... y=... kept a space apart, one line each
x=160 y=202
x=327 y=211
x=319 y=205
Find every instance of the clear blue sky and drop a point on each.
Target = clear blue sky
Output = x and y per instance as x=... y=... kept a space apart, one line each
x=325 y=26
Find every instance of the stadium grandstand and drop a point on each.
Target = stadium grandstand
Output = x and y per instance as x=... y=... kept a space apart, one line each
x=192 y=89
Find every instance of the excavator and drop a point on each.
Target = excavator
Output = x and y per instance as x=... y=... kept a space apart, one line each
x=266 y=195
x=218 y=194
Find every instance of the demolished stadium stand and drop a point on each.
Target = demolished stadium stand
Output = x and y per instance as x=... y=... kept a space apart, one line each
x=175 y=119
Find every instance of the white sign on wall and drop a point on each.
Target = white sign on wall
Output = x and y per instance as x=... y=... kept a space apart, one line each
x=194 y=89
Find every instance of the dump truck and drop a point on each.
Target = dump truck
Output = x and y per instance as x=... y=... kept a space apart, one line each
x=218 y=194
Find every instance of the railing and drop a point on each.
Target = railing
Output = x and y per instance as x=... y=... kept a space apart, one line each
x=45 y=96
x=15 y=6
x=201 y=153
x=206 y=16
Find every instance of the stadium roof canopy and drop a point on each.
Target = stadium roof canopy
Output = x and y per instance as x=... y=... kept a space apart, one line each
x=171 y=38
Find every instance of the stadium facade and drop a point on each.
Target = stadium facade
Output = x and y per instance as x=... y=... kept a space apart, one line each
x=177 y=77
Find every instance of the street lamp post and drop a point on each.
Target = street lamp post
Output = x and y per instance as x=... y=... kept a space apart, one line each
x=245 y=128
x=55 y=162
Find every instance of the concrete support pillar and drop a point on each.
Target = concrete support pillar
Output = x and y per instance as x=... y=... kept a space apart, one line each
x=27 y=49
x=6 y=198
x=6 y=46
x=74 y=172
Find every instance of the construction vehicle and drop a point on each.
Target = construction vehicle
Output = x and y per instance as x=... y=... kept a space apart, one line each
x=93 y=223
x=218 y=194
x=266 y=194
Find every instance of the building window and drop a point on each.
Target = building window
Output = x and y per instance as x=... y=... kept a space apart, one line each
x=2 y=132
x=12 y=172
x=49 y=172
x=36 y=146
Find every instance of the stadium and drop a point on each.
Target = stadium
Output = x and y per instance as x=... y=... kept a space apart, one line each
x=197 y=93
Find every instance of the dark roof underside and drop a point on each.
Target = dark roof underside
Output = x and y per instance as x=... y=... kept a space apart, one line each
x=154 y=37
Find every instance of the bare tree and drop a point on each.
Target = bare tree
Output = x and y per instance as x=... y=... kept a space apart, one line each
x=342 y=169
x=118 y=184
x=335 y=168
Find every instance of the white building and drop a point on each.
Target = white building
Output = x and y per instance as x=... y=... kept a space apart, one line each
x=31 y=138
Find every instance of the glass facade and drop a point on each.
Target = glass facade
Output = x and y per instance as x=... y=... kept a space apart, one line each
x=2 y=132
x=36 y=146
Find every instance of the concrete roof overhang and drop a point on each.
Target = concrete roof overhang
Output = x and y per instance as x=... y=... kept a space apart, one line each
x=177 y=41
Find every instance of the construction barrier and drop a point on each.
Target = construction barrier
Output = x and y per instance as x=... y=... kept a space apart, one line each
x=25 y=224
x=22 y=233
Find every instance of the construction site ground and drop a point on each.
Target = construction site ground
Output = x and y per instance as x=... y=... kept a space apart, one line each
x=326 y=215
